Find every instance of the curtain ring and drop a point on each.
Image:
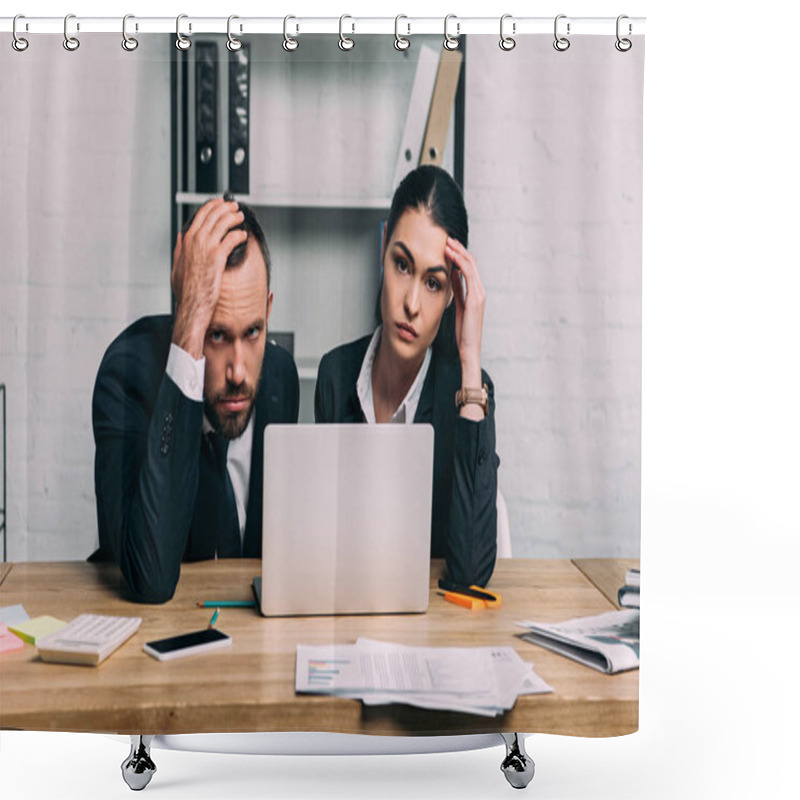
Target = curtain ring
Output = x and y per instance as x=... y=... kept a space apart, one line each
x=344 y=42
x=129 y=43
x=290 y=43
x=561 y=43
x=451 y=42
x=623 y=44
x=18 y=43
x=181 y=41
x=233 y=44
x=400 y=42
x=70 y=43
x=507 y=42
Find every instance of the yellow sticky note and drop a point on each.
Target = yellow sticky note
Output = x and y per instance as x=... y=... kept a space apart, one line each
x=33 y=629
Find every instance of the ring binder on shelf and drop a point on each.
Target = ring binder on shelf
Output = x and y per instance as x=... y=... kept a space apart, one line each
x=206 y=117
x=444 y=95
x=239 y=120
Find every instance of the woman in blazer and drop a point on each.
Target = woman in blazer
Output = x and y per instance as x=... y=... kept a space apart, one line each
x=422 y=364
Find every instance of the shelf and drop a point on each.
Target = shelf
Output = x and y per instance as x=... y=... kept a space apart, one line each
x=307 y=368
x=287 y=201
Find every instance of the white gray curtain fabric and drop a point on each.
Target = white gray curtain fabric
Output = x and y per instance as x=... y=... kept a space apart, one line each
x=552 y=178
x=85 y=227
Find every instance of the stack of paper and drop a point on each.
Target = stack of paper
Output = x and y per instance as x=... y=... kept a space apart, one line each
x=9 y=641
x=474 y=680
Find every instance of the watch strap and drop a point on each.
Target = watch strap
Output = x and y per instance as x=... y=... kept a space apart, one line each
x=467 y=395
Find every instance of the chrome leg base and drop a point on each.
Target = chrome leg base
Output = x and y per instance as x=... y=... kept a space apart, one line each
x=517 y=766
x=138 y=768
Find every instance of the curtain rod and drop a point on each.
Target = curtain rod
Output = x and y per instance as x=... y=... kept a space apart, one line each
x=351 y=25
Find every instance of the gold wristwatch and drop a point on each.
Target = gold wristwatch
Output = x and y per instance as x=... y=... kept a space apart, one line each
x=478 y=396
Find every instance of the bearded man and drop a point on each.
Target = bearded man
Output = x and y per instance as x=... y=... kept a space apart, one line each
x=179 y=410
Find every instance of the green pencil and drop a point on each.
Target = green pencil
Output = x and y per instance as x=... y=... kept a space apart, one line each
x=225 y=603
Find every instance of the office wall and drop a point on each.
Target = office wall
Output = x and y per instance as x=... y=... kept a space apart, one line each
x=560 y=256
x=85 y=249
x=84 y=232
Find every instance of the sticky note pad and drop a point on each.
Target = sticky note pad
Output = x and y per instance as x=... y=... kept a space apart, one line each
x=12 y=614
x=8 y=640
x=37 y=628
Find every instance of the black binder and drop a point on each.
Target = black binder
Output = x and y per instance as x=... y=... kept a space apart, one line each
x=239 y=120
x=206 y=117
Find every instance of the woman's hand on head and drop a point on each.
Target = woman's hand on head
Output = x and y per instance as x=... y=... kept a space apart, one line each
x=470 y=300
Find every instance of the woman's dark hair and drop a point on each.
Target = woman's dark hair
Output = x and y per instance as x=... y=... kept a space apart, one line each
x=432 y=190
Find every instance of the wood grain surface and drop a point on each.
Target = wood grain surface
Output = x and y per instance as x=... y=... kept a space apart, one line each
x=250 y=686
x=607 y=574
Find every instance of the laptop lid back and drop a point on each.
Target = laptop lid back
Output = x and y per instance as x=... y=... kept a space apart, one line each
x=347 y=519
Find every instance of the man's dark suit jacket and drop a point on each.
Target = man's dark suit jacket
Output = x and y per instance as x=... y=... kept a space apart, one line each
x=148 y=437
x=464 y=521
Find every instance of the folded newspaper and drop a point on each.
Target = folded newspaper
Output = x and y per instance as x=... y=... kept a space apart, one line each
x=607 y=642
x=473 y=680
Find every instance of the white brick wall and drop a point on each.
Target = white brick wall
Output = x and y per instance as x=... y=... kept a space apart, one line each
x=553 y=188
x=84 y=210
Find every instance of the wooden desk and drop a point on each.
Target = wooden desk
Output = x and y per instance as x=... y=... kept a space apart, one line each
x=250 y=687
x=607 y=574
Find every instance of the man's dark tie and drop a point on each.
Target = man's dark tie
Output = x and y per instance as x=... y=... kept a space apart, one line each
x=229 y=541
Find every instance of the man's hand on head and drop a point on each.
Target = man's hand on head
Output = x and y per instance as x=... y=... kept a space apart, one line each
x=198 y=262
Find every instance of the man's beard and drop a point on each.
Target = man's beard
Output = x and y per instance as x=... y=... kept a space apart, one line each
x=233 y=426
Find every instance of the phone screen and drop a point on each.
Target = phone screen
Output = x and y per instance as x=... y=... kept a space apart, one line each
x=173 y=643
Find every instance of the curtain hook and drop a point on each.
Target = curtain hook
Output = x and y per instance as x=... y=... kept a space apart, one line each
x=129 y=43
x=181 y=41
x=290 y=43
x=344 y=42
x=507 y=42
x=451 y=42
x=623 y=44
x=400 y=42
x=18 y=43
x=561 y=43
x=233 y=44
x=70 y=43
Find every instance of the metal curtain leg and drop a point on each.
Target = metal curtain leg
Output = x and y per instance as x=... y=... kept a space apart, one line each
x=517 y=766
x=138 y=768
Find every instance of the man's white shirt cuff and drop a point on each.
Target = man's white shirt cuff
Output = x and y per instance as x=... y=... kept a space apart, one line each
x=186 y=373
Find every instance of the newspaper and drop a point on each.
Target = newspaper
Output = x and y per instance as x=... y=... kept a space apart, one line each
x=607 y=642
x=474 y=680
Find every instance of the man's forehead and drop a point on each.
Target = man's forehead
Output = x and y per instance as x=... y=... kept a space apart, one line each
x=243 y=292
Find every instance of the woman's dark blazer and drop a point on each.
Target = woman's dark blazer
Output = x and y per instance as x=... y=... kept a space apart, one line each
x=464 y=522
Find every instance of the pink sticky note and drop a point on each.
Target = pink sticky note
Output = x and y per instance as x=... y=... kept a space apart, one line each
x=9 y=641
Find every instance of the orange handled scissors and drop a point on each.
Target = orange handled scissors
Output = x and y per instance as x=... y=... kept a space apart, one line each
x=472 y=597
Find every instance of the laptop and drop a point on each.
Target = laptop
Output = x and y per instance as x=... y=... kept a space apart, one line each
x=347 y=519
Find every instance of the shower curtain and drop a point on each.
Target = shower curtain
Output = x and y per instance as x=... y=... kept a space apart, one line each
x=107 y=153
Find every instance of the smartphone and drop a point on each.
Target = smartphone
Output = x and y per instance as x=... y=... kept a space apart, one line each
x=187 y=644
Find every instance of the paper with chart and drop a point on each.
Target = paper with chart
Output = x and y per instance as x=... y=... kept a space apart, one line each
x=476 y=680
